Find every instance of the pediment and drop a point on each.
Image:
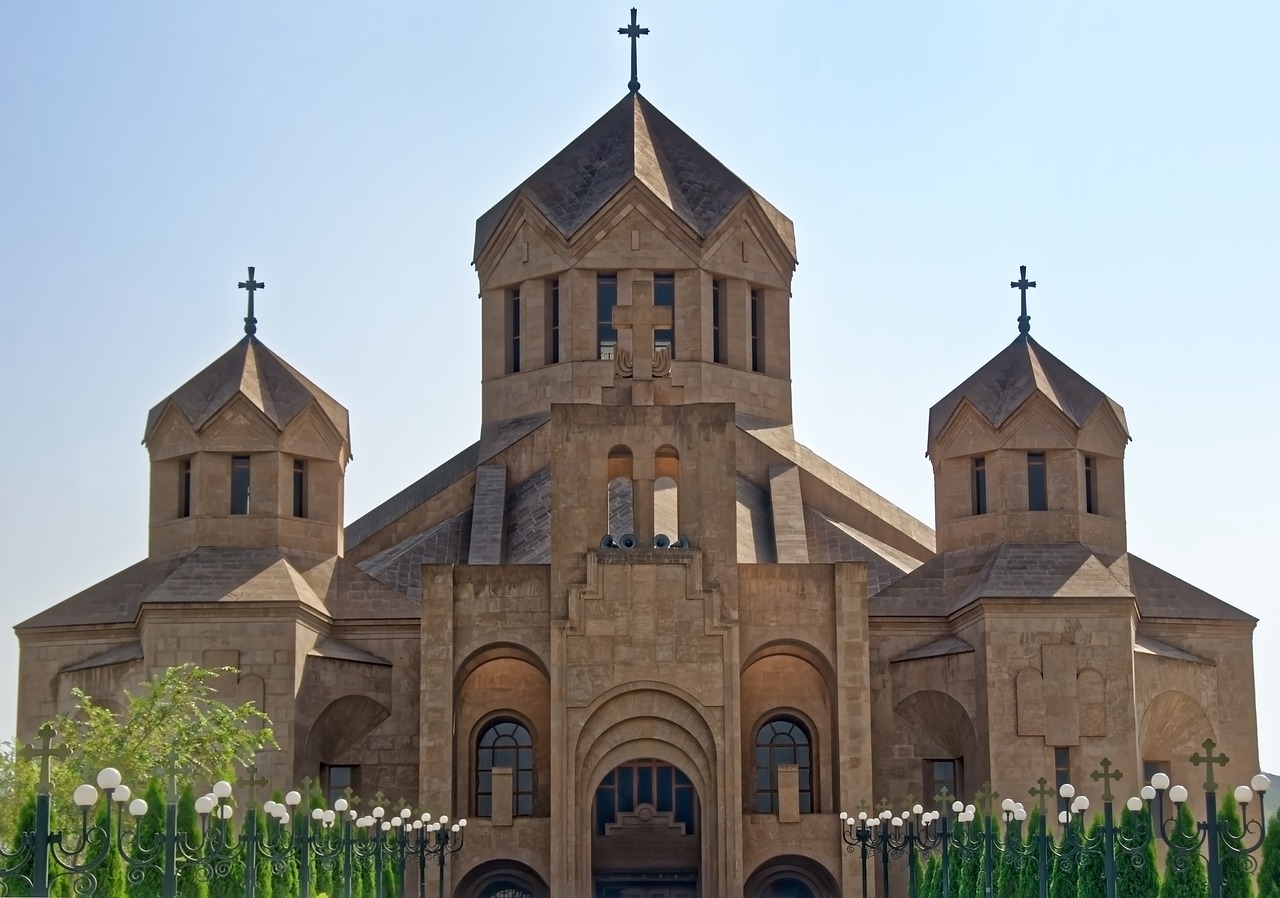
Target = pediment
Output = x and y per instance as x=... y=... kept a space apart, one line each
x=1103 y=433
x=605 y=238
x=967 y=433
x=311 y=434
x=172 y=436
x=746 y=245
x=239 y=427
x=1038 y=424
x=525 y=246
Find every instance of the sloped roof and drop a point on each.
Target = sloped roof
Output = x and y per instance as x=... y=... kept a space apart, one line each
x=633 y=140
x=251 y=370
x=1018 y=372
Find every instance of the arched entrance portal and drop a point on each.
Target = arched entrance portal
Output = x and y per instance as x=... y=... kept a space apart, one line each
x=646 y=837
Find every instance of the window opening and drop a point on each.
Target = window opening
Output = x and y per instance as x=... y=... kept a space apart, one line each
x=1037 y=485
x=337 y=778
x=505 y=743
x=184 y=488
x=782 y=741
x=979 y=486
x=240 y=484
x=1090 y=485
x=717 y=322
x=299 y=488
x=514 y=323
x=939 y=774
x=664 y=295
x=606 y=300
x=756 y=356
x=1062 y=774
x=553 y=343
x=646 y=781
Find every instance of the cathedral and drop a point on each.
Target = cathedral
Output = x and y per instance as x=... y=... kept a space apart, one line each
x=643 y=639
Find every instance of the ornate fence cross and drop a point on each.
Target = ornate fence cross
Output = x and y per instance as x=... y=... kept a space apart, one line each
x=1106 y=776
x=883 y=806
x=253 y=781
x=1208 y=761
x=944 y=798
x=46 y=752
x=352 y=798
x=169 y=773
x=1042 y=793
x=985 y=798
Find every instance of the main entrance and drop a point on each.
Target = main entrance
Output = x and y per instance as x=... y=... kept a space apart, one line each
x=646 y=840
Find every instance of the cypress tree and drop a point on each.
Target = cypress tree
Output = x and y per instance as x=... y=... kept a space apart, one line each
x=1269 y=874
x=109 y=875
x=1136 y=873
x=1236 y=879
x=191 y=881
x=1066 y=867
x=930 y=884
x=151 y=832
x=1184 y=872
x=20 y=882
x=1091 y=880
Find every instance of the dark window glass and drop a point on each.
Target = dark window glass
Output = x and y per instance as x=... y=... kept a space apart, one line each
x=515 y=330
x=979 y=486
x=1151 y=768
x=1061 y=773
x=1037 y=485
x=505 y=743
x=1091 y=486
x=646 y=781
x=940 y=774
x=717 y=321
x=606 y=300
x=664 y=294
x=782 y=741
x=299 y=488
x=756 y=312
x=184 y=489
x=554 y=341
x=240 y=484
x=337 y=779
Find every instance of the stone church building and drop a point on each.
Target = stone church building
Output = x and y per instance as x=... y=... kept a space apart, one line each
x=643 y=639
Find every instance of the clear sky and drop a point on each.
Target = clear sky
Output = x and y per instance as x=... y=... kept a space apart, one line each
x=1127 y=153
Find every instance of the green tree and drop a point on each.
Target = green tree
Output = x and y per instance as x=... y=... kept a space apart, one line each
x=150 y=829
x=1006 y=866
x=1136 y=872
x=191 y=882
x=1091 y=880
x=19 y=883
x=109 y=876
x=1269 y=874
x=1066 y=866
x=1184 y=871
x=1237 y=882
x=930 y=882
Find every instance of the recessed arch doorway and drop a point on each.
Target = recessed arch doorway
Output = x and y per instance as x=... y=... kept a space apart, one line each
x=646 y=839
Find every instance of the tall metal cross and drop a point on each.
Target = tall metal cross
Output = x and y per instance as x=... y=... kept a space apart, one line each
x=169 y=773
x=1022 y=285
x=1106 y=776
x=1042 y=793
x=633 y=31
x=46 y=752
x=253 y=781
x=251 y=323
x=1208 y=761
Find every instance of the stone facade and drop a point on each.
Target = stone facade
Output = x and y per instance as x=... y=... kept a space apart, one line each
x=643 y=639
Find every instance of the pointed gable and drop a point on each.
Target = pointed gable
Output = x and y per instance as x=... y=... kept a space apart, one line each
x=1021 y=370
x=633 y=140
x=252 y=371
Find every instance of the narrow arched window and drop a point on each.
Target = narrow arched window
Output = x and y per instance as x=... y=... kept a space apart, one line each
x=505 y=743
x=782 y=740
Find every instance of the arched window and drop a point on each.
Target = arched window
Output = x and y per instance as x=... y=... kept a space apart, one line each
x=621 y=492
x=782 y=740
x=505 y=743
x=666 y=492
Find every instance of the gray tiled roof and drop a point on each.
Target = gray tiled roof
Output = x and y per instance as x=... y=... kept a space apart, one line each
x=412 y=496
x=830 y=542
x=400 y=567
x=1019 y=371
x=632 y=140
x=251 y=370
x=528 y=521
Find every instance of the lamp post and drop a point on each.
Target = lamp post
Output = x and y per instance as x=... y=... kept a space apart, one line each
x=889 y=836
x=430 y=839
x=1208 y=830
x=65 y=850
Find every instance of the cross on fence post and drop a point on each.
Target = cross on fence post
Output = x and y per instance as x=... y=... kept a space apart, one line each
x=1106 y=776
x=379 y=799
x=944 y=798
x=1042 y=793
x=253 y=781
x=307 y=783
x=985 y=798
x=352 y=798
x=863 y=807
x=46 y=752
x=1208 y=761
x=169 y=773
x=883 y=806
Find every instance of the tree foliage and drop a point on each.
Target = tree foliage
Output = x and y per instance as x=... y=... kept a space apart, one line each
x=1237 y=880
x=1269 y=875
x=1184 y=870
x=1091 y=880
x=1136 y=872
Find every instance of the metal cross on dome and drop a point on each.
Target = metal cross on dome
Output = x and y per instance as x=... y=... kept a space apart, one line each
x=251 y=323
x=1022 y=284
x=633 y=31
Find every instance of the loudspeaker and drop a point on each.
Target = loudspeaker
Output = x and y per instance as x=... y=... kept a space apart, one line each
x=628 y=541
x=608 y=542
x=661 y=541
x=681 y=543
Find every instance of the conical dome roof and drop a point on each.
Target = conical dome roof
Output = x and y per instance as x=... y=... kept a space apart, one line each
x=251 y=370
x=1021 y=370
x=633 y=140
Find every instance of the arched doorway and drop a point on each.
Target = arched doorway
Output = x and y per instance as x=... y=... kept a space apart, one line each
x=646 y=833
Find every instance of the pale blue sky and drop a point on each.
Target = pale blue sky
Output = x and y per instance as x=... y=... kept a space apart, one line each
x=1126 y=152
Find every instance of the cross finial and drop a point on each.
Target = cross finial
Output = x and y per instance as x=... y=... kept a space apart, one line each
x=352 y=798
x=253 y=781
x=632 y=31
x=884 y=805
x=1106 y=776
x=944 y=798
x=863 y=807
x=985 y=798
x=1042 y=792
x=169 y=772
x=251 y=323
x=46 y=752
x=1022 y=285
x=1208 y=761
